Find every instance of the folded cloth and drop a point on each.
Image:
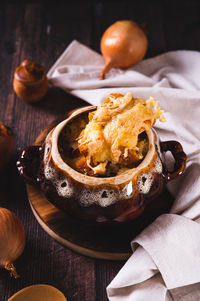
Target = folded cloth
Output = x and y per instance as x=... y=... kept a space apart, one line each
x=165 y=264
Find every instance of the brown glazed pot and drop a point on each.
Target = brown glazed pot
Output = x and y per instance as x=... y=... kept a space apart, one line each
x=115 y=199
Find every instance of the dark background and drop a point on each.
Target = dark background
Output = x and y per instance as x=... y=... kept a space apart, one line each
x=41 y=31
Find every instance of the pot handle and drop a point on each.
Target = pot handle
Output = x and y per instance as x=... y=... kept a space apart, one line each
x=29 y=163
x=179 y=156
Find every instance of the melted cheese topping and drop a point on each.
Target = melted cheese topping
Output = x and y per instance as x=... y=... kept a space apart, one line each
x=113 y=129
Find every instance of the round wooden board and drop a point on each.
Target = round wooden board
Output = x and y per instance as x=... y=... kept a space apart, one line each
x=111 y=243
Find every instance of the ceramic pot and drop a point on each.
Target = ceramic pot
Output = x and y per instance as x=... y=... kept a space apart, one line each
x=105 y=200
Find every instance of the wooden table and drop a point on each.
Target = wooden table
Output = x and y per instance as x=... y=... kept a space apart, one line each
x=41 y=32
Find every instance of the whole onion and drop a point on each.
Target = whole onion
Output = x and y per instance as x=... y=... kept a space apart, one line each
x=123 y=44
x=7 y=141
x=12 y=240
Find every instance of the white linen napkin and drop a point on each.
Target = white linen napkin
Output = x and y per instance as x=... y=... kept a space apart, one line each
x=165 y=264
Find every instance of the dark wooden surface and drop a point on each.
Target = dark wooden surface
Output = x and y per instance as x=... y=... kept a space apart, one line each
x=41 y=31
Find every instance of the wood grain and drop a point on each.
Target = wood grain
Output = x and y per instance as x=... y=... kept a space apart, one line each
x=83 y=239
x=41 y=31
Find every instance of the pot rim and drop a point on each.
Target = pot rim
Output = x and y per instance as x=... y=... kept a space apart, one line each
x=90 y=180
